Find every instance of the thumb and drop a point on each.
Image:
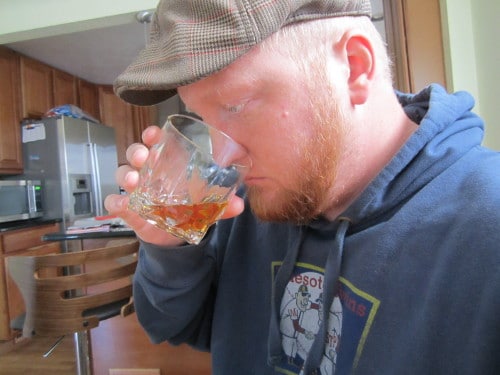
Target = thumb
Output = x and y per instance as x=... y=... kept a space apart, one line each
x=235 y=206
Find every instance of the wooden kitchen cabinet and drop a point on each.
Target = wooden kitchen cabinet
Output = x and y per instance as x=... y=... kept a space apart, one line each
x=36 y=88
x=11 y=161
x=88 y=98
x=144 y=117
x=128 y=120
x=19 y=242
x=64 y=88
x=119 y=115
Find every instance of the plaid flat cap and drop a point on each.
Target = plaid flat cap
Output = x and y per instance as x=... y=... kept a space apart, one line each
x=192 y=39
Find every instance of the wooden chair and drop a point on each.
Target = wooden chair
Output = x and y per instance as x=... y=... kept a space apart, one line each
x=83 y=288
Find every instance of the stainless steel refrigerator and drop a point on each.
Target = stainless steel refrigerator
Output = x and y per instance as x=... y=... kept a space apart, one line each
x=76 y=161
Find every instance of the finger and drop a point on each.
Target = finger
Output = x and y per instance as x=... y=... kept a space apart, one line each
x=151 y=135
x=116 y=204
x=127 y=177
x=136 y=154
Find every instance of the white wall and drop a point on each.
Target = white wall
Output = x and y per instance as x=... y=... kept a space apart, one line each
x=472 y=49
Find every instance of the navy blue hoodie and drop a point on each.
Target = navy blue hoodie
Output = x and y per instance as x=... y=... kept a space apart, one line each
x=409 y=274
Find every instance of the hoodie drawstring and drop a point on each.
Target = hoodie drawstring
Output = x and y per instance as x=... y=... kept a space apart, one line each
x=281 y=280
x=330 y=290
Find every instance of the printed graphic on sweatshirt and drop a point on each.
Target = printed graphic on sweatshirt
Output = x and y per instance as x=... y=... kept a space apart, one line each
x=301 y=313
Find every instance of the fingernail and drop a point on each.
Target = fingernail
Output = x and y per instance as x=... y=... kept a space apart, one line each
x=123 y=203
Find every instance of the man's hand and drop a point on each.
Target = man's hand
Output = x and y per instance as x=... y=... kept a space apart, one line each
x=127 y=177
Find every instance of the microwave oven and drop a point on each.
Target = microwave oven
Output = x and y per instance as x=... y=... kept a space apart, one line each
x=20 y=200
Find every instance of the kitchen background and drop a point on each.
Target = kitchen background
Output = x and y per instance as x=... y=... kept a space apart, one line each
x=96 y=39
x=55 y=52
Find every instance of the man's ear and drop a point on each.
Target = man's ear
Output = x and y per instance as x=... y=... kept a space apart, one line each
x=361 y=61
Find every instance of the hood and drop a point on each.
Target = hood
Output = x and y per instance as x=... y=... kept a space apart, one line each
x=443 y=120
x=441 y=117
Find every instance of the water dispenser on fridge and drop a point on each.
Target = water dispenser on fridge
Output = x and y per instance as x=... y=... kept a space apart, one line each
x=81 y=193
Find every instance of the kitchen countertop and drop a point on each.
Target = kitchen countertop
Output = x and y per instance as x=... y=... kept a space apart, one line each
x=63 y=236
x=24 y=224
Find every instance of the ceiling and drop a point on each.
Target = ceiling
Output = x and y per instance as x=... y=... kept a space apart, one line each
x=97 y=55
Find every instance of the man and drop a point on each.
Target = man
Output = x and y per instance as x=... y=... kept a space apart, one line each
x=384 y=205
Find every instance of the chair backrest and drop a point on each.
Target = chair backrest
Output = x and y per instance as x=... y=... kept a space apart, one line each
x=88 y=286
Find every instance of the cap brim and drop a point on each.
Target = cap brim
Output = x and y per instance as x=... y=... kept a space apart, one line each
x=143 y=96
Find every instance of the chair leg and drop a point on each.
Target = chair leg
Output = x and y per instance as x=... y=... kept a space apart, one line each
x=82 y=353
x=49 y=352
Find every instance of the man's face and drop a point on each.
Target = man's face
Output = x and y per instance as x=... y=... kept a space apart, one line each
x=290 y=131
x=302 y=300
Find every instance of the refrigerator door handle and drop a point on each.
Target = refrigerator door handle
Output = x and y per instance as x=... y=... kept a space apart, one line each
x=96 y=181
